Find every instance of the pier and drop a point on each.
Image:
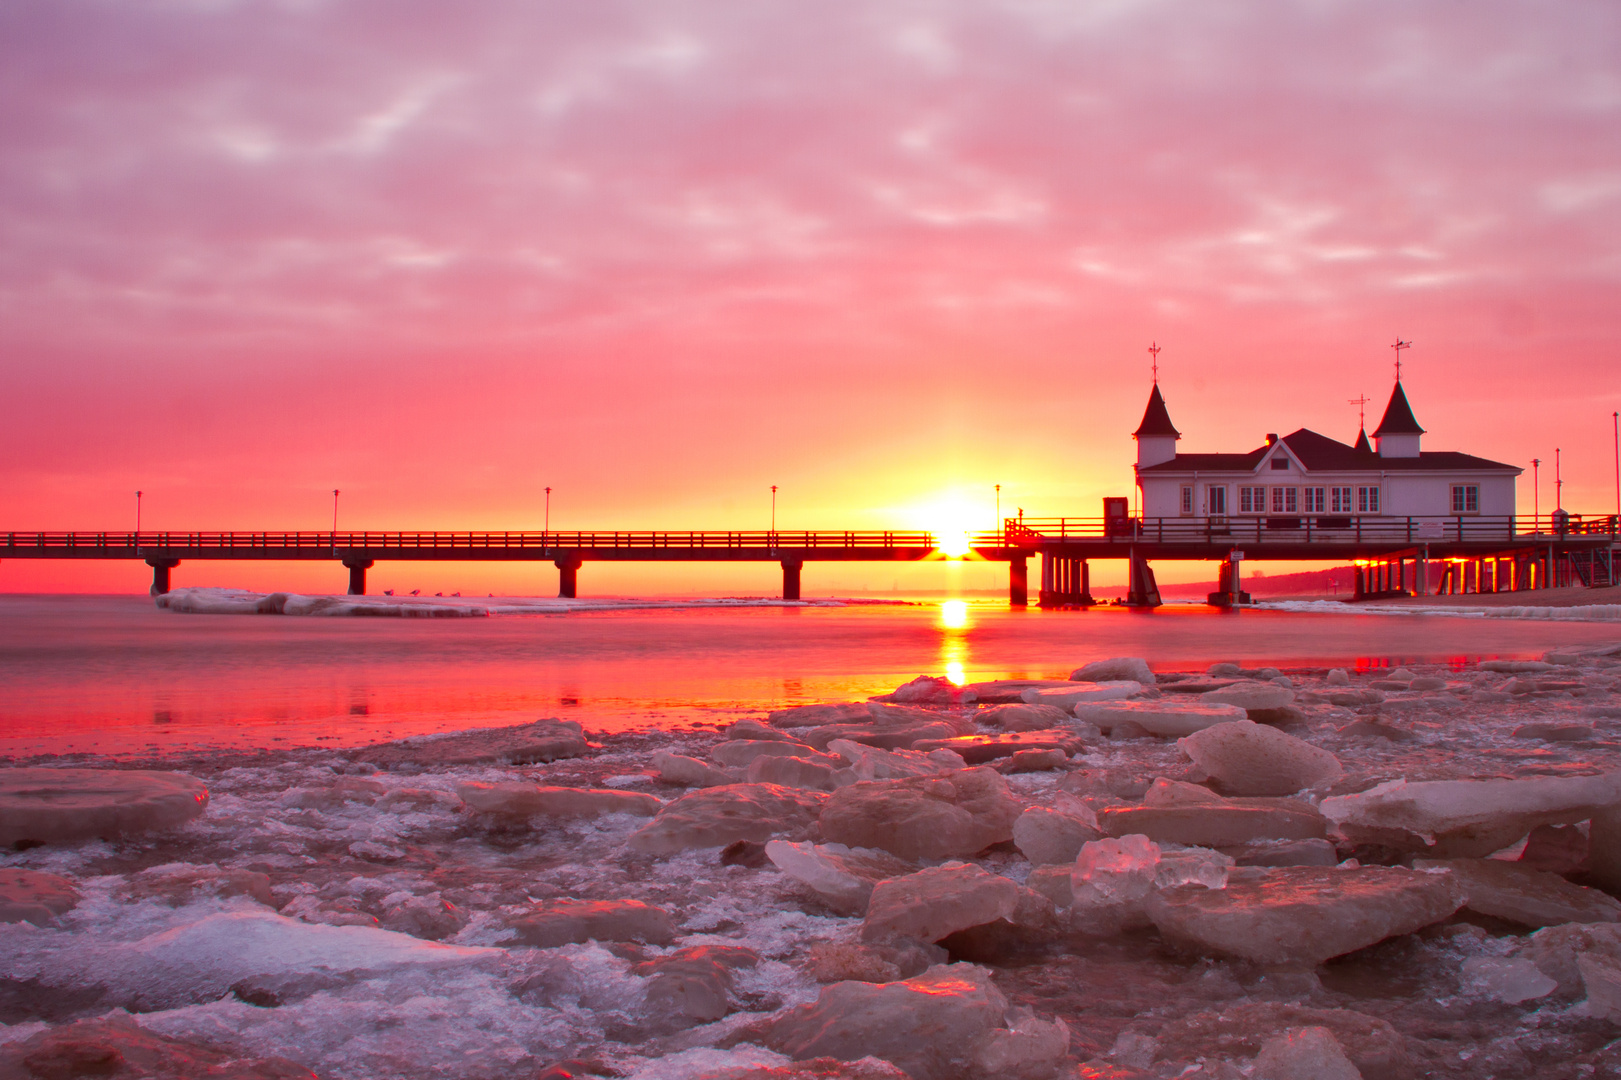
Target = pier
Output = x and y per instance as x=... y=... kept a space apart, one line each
x=1392 y=555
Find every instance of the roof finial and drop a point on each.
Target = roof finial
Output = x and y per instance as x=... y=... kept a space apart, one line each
x=1361 y=404
x=1153 y=347
x=1399 y=346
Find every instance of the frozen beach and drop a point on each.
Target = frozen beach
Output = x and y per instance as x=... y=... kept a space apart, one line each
x=1290 y=844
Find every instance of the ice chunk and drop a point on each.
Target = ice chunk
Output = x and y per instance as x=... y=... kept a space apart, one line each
x=1068 y=697
x=885 y=735
x=1601 y=977
x=1523 y=894
x=64 y=806
x=1247 y=758
x=1468 y=818
x=562 y=922
x=31 y=896
x=931 y=690
x=522 y=744
x=225 y=948
x=693 y=985
x=1250 y=696
x=1310 y=1053
x=1554 y=951
x=1516 y=667
x=923 y=817
x=980 y=749
x=1025 y=761
x=1192 y=866
x=1242 y=1028
x=1168 y=719
x=118 y=1046
x=1120 y=669
x=1338 y=677
x=1285 y=853
x=1604 y=846
x=1045 y=835
x=935 y=1026
x=791 y=772
x=848 y=712
x=753 y=729
x=871 y=763
x=1167 y=792
x=1113 y=872
x=1303 y=914
x=842 y=876
x=690 y=772
x=1510 y=980
x=716 y=816
x=1027 y=1047
x=739 y=753
x=1021 y=717
x=937 y=902
x=1214 y=825
x=522 y=800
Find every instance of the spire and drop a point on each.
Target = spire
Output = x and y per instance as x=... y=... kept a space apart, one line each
x=1362 y=443
x=1156 y=420
x=1398 y=418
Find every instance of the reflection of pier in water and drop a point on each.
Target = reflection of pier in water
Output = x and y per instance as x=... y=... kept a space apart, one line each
x=1393 y=555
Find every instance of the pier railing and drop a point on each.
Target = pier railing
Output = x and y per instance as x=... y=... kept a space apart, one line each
x=1295 y=529
x=441 y=541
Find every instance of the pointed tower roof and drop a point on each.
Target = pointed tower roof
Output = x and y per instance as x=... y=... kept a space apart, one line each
x=1398 y=418
x=1362 y=443
x=1156 y=420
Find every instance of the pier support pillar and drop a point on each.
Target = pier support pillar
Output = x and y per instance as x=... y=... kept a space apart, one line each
x=357 y=575
x=1144 y=590
x=160 y=574
x=790 y=578
x=1229 y=588
x=1018 y=583
x=568 y=576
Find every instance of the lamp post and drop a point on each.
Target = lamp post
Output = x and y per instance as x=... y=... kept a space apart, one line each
x=547 y=528
x=137 y=517
x=1536 y=495
x=1558 y=483
x=999 y=526
x=773 y=509
x=334 y=519
x=1615 y=417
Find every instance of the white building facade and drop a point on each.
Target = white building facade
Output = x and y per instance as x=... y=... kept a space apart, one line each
x=1306 y=475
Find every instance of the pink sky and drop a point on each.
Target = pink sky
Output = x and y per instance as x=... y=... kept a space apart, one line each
x=886 y=254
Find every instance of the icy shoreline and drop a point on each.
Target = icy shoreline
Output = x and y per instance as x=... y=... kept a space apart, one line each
x=215 y=601
x=489 y=903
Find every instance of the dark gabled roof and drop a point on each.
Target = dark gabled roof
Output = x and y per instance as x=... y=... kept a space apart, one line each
x=1398 y=418
x=1362 y=442
x=1156 y=421
x=1319 y=453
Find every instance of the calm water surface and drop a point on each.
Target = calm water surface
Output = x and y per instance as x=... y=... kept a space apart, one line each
x=115 y=675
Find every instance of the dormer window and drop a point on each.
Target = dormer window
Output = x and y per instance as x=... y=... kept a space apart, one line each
x=1281 y=461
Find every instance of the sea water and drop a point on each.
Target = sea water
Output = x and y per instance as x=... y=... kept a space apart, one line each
x=115 y=675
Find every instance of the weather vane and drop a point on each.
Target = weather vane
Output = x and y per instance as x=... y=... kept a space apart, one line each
x=1399 y=346
x=1361 y=404
x=1153 y=347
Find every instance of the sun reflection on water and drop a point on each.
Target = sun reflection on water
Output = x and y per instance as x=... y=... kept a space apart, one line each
x=953 y=642
x=954 y=614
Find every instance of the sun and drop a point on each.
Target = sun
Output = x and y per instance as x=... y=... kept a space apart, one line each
x=953 y=541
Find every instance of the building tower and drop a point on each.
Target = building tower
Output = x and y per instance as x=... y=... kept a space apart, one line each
x=1397 y=435
x=1156 y=436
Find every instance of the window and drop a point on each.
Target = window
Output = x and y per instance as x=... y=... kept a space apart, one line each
x=1285 y=500
x=1367 y=500
x=1339 y=500
x=1280 y=461
x=1252 y=500
x=1315 y=500
x=1465 y=498
x=1187 y=499
x=1216 y=500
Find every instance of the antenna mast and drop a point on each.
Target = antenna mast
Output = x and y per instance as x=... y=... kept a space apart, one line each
x=1153 y=347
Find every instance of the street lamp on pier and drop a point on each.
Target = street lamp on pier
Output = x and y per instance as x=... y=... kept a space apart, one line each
x=773 y=509
x=137 y=517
